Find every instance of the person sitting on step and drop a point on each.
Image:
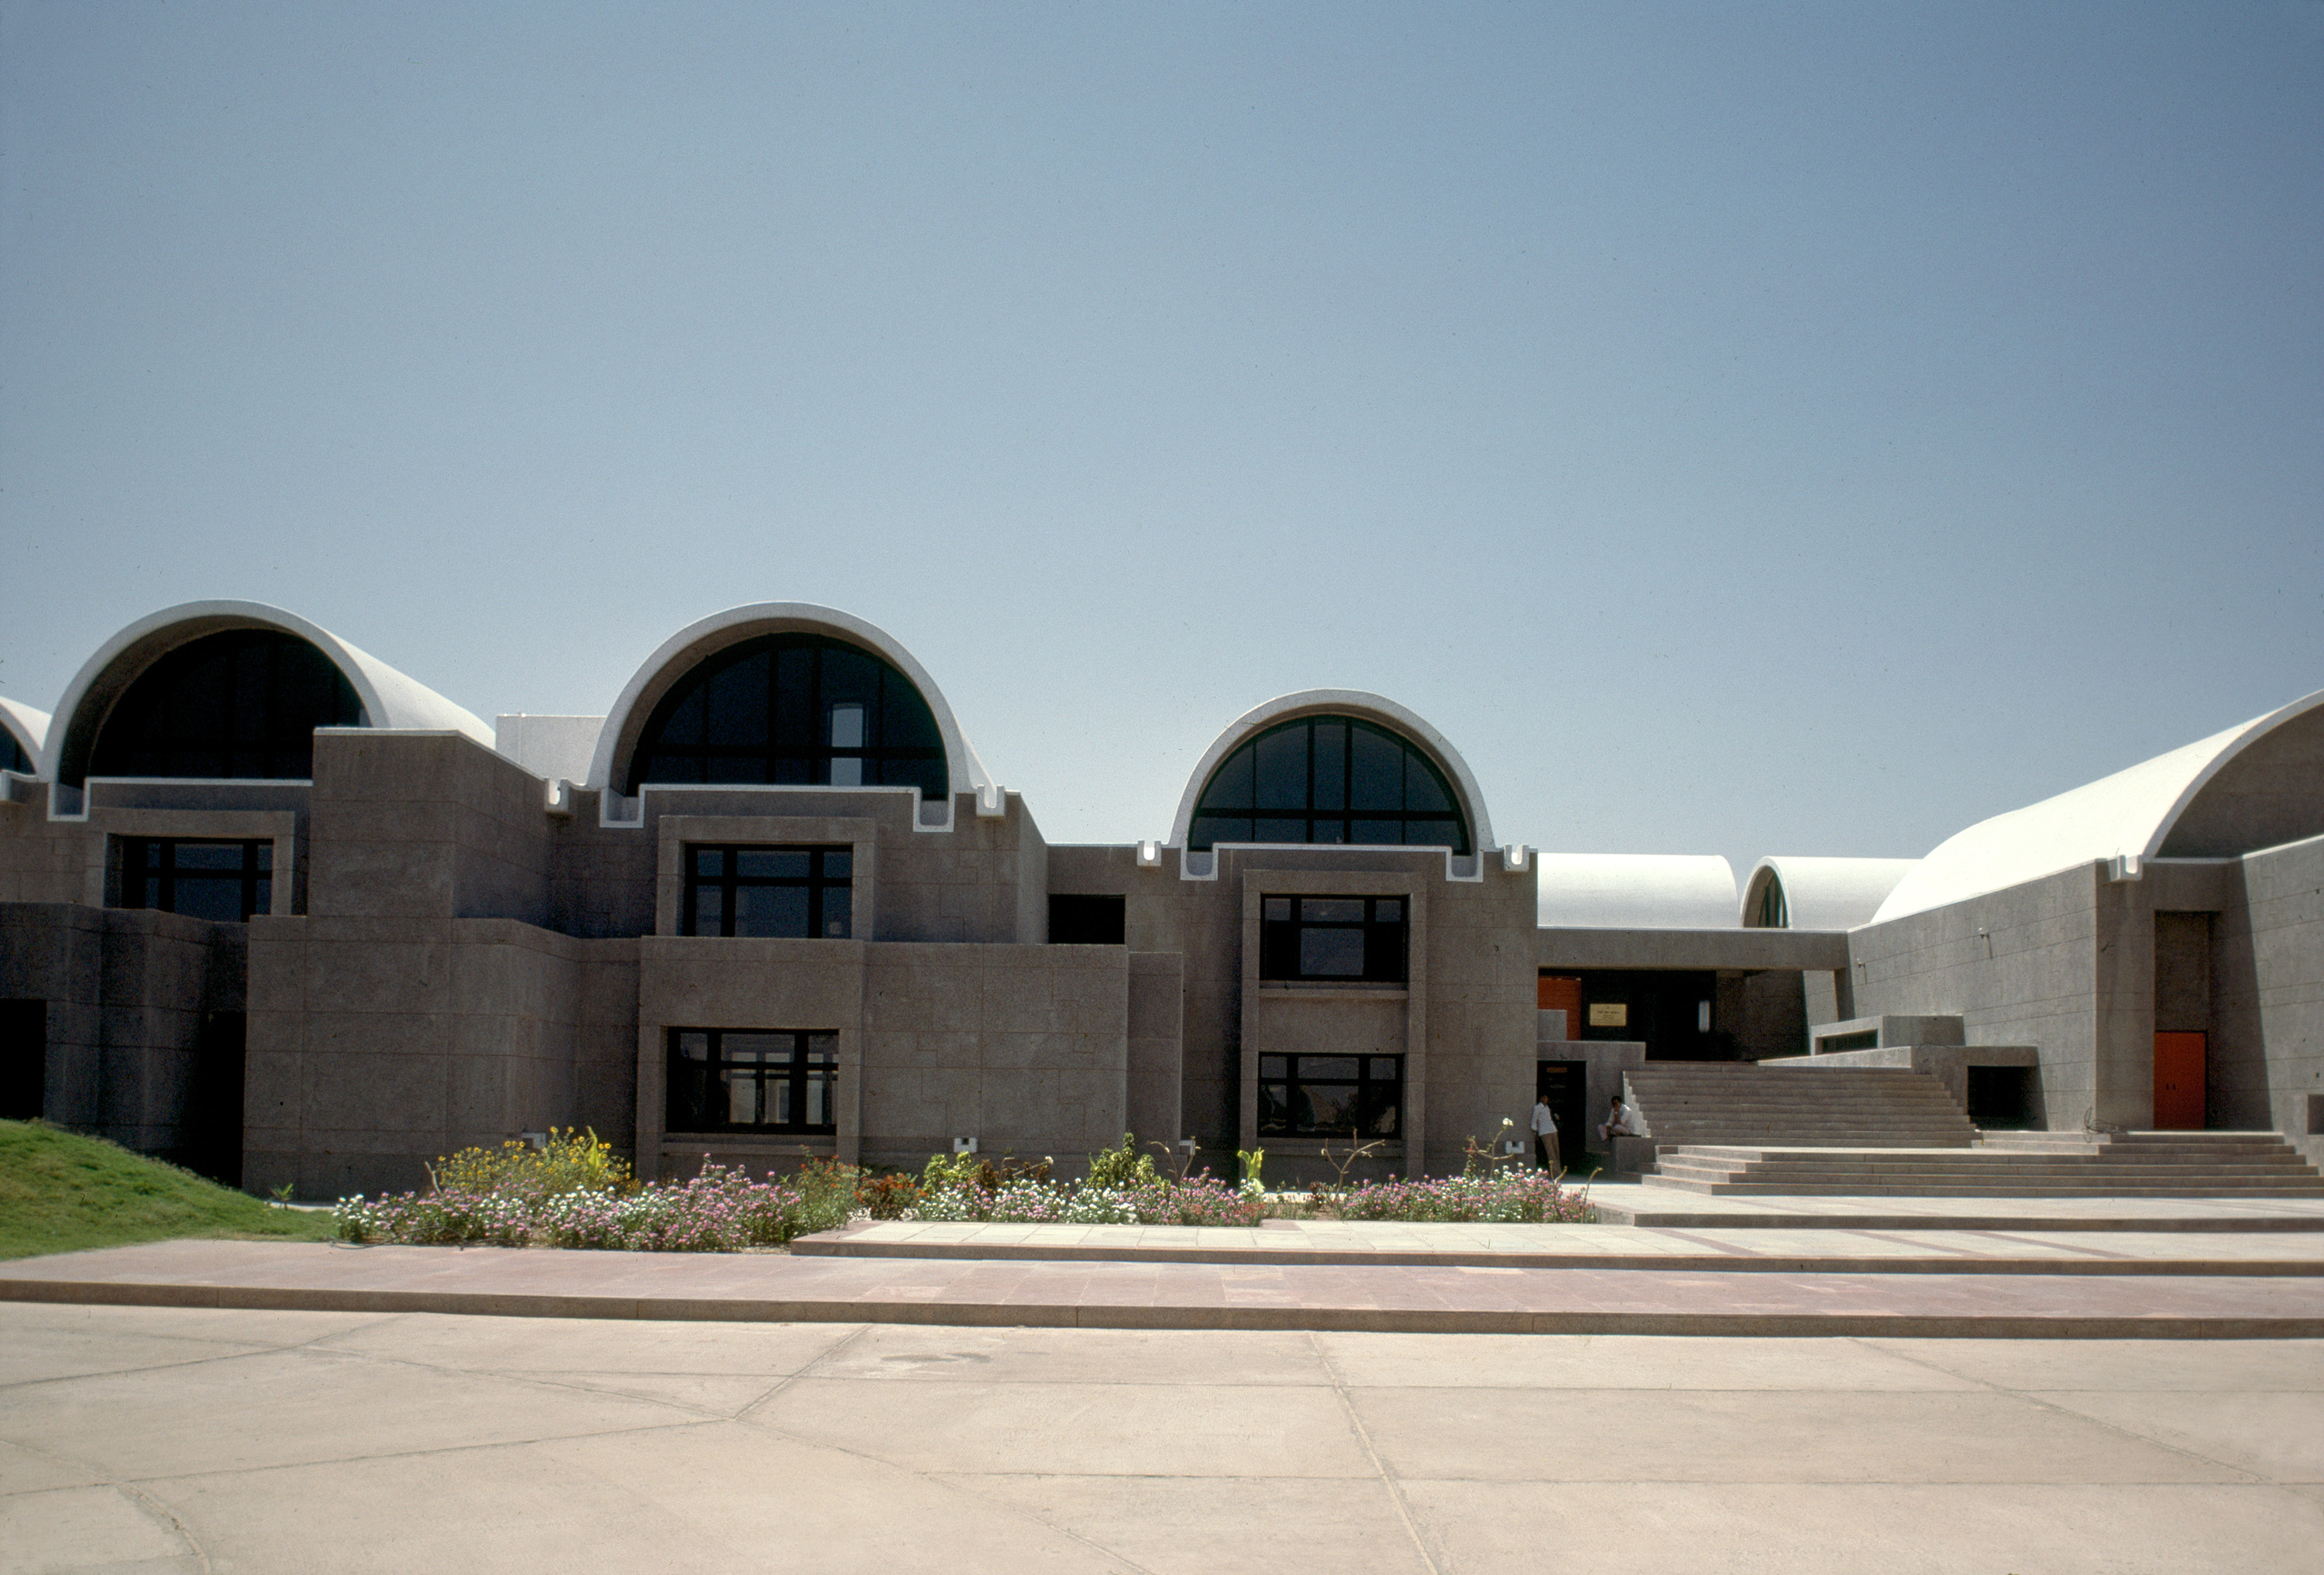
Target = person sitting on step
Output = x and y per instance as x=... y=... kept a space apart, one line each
x=1621 y=1121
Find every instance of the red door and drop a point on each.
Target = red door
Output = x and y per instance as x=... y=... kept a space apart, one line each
x=1555 y=994
x=2178 y=1068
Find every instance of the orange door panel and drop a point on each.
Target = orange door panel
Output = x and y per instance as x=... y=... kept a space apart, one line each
x=1563 y=995
x=2178 y=1074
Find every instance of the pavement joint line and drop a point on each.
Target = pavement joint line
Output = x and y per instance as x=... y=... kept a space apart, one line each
x=1386 y=1477
x=802 y=1370
x=948 y=1481
x=2039 y=1398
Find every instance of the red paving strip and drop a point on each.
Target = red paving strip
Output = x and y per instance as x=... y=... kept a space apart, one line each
x=780 y=1288
x=1714 y=1256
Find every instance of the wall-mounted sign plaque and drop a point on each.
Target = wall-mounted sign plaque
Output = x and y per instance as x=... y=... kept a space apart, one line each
x=1609 y=1014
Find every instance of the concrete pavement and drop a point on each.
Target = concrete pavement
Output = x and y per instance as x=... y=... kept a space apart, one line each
x=172 y=1439
x=1449 y=1297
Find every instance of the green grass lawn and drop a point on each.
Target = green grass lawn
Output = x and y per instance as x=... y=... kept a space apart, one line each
x=62 y=1192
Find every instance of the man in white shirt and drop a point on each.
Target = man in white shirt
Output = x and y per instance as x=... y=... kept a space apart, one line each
x=1621 y=1121
x=1545 y=1135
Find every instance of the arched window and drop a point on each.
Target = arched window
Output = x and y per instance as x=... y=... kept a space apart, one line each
x=1774 y=913
x=244 y=702
x=1328 y=779
x=12 y=757
x=799 y=709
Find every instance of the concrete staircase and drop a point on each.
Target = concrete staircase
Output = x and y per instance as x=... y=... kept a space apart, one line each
x=2129 y=1164
x=1735 y=1102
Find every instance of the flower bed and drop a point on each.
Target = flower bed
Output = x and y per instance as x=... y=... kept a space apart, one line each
x=576 y=1192
x=1503 y=1196
x=1123 y=1188
x=722 y=1210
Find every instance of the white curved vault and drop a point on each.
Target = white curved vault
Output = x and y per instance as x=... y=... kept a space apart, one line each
x=390 y=698
x=1357 y=702
x=28 y=727
x=2255 y=784
x=698 y=641
x=1635 y=891
x=1823 y=894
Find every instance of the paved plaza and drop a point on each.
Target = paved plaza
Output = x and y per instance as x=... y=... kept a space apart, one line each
x=183 y=1439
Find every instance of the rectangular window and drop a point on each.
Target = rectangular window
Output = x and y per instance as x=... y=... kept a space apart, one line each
x=224 y=881
x=1331 y=1096
x=1087 y=921
x=1357 y=940
x=769 y=892
x=734 y=1080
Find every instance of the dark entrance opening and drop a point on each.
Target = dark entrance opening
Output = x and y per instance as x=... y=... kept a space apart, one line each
x=1566 y=1085
x=212 y=1141
x=1670 y=1010
x=1087 y=921
x=24 y=1058
x=2001 y=1098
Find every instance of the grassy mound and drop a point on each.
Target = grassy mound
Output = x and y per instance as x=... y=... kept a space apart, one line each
x=62 y=1193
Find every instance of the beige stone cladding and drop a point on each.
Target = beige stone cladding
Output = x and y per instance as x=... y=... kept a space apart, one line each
x=982 y=880
x=378 y=1044
x=686 y=981
x=1024 y=1048
x=1464 y=1020
x=2267 y=1045
x=78 y=860
x=1153 y=1099
x=2018 y=967
x=131 y=996
x=425 y=824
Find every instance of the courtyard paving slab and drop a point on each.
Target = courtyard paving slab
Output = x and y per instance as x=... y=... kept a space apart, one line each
x=185 y=1441
x=1466 y=1298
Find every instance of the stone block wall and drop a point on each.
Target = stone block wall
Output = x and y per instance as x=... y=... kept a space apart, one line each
x=2019 y=967
x=2267 y=1054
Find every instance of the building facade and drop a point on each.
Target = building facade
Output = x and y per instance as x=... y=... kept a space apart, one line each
x=273 y=909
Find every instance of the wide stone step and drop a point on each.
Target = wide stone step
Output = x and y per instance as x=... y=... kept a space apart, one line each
x=2036 y=1190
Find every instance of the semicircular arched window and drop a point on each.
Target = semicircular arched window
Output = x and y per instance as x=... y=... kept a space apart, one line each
x=241 y=704
x=1328 y=779
x=793 y=709
x=12 y=757
x=1773 y=912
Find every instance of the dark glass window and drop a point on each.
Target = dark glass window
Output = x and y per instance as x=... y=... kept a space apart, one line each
x=1328 y=779
x=12 y=757
x=793 y=708
x=246 y=702
x=1353 y=939
x=730 y=1080
x=1331 y=1096
x=1087 y=921
x=225 y=881
x=769 y=892
x=1774 y=913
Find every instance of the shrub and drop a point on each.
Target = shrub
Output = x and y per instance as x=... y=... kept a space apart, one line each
x=573 y=1160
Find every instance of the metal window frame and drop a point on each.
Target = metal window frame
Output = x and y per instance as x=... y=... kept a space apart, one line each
x=817 y=883
x=1344 y=820
x=799 y=1073
x=1363 y=1083
x=134 y=872
x=817 y=758
x=1387 y=961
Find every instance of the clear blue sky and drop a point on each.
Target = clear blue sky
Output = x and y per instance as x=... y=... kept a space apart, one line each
x=1739 y=430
